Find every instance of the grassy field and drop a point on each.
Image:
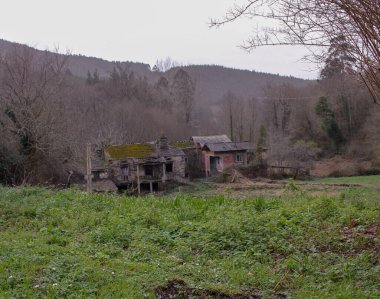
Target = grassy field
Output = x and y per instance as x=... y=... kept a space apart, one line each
x=367 y=180
x=70 y=244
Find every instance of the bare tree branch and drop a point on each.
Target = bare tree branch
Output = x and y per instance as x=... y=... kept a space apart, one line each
x=316 y=23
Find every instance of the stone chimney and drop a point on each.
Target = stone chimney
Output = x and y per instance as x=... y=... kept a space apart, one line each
x=163 y=142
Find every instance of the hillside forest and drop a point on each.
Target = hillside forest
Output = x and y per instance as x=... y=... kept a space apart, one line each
x=52 y=105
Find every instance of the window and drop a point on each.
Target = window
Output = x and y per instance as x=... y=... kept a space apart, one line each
x=169 y=167
x=124 y=170
x=148 y=170
x=239 y=158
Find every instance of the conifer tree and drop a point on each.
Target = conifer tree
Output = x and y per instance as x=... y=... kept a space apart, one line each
x=329 y=123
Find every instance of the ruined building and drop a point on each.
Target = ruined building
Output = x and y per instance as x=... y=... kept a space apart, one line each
x=142 y=166
x=150 y=166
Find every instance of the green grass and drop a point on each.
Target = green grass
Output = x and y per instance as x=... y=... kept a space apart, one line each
x=73 y=245
x=369 y=180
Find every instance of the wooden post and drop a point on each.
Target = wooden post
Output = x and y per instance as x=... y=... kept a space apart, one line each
x=164 y=172
x=88 y=170
x=138 y=179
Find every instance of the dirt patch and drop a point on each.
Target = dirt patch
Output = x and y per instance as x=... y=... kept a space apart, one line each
x=354 y=230
x=179 y=289
x=272 y=188
x=243 y=187
x=366 y=235
x=355 y=239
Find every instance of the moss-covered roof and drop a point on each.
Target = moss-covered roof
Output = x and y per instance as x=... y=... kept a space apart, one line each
x=138 y=150
x=182 y=144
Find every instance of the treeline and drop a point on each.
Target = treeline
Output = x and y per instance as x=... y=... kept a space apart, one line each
x=47 y=115
x=323 y=122
x=336 y=115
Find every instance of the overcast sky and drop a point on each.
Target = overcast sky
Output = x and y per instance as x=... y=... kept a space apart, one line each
x=144 y=31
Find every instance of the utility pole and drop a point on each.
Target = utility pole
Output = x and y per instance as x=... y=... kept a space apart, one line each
x=88 y=170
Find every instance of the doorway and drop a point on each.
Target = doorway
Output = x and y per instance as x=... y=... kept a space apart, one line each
x=214 y=162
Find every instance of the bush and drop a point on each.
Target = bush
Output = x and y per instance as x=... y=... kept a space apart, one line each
x=255 y=169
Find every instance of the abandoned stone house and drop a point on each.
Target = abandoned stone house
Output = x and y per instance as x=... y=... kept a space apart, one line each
x=142 y=166
x=216 y=153
x=149 y=166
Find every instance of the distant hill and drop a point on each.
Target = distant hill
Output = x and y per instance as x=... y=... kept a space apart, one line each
x=212 y=81
x=79 y=65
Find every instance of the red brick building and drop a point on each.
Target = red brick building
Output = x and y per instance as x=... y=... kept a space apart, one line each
x=215 y=153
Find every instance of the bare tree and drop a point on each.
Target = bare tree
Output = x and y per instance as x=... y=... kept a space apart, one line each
x=31 y=105
x=162 y=93
x=278 y=107
x=163 y=65
x=228 y=103
x=316 y=23
x=183 y=88
x=250 y=118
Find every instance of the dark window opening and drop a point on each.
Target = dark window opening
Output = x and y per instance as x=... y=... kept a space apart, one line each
x=146 y=187
x=169 y=167
x=99 y=153
x=239 y=158
x=148 y=170
x=124 y=171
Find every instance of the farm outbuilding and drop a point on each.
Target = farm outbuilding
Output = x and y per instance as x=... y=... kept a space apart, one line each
x=216 y=153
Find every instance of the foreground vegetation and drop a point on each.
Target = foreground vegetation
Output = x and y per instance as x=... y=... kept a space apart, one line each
x=71 y=244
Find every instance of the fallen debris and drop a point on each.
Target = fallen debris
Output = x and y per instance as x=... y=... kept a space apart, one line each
x=238 y=177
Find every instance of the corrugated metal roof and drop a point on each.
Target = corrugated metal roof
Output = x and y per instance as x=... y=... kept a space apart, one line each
x=228 y=146
x=170 y=151
x=202 y=140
